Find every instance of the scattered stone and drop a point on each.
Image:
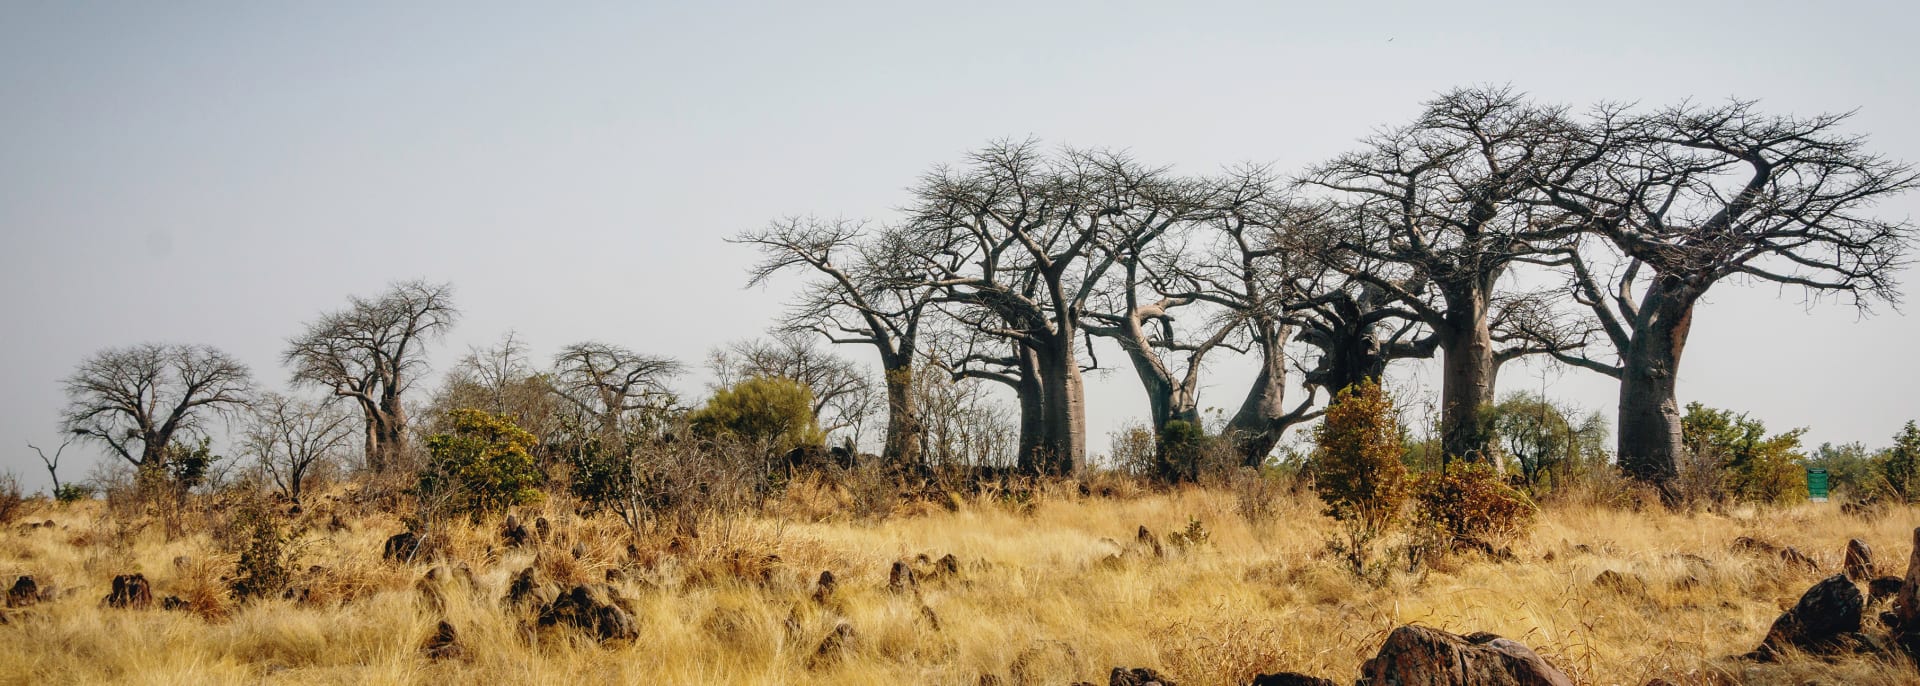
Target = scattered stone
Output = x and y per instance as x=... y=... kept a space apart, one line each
x=579 y=550
x=1420 y=655
x=1825 y=621
x=526 y=590
x=1140 y=676
x=948 y=566
x=543 y=529
x=1883 y=588
x=833 y=647
x=130 y=591
x=182 y=562
x=1290 y=679
x=1794 y=558
x=614 y=575
x=1149 y=541
x=597 y=610
x=823 y=590
x=512 y=533
x=336 y=525
x=444 y=644
x=900 y=578
x=401 y=547
x=1906 y=603
x=1790 y=555
x=933 y=620
x=173 y=603
x=25 y=592
x=1859 y=564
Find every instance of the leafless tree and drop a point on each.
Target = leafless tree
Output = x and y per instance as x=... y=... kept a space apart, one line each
x=53 y=463
x=864 y=294
x=609 y=383
x=137 y=400
x=1449 y=201
x=371 y=353
x=288 y=436
x=842 y=396
x=1689 y=196
x=501 y=380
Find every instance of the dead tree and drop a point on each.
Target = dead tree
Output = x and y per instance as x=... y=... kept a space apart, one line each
x=53 y=463
x=371 y=353
x=611 y=384
x=1450 y=203
x=288 y=436
x=864 y=293
x=137 y=400
x=1689 y=196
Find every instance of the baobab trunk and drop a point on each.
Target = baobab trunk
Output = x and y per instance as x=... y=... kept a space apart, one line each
x=1033 y=425
x=1064 y=449
x=903 y=419
x=1467 y=378
x=1649 y=411
x=1256 y=428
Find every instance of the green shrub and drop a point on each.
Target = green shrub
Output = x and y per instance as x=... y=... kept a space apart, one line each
x=73 y=493
x=1177 y=451
x=1899 y=466
x=771 y=412
x=482 y=467
x=1468 y=503
x=1356 y=469
x=1754 y=467
x=267 y=558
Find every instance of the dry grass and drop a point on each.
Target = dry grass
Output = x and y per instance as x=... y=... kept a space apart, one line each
x=1050 y=591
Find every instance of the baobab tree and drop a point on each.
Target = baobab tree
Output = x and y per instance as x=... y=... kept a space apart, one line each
x=1449 y=203
x=610 y=383
x=371 y=353
x=864 y=293
x=138 y=400
x=1693 y=195
x=289 y=436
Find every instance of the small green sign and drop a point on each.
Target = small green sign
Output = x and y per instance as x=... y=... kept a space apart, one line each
x=1817 y=485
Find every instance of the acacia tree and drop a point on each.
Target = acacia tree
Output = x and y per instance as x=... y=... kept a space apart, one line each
x=289 y=436
x=1692 y=195
x=864 y=294
x=610 y=383
x=137 y=400
x=371 y=353
x=1449 y=202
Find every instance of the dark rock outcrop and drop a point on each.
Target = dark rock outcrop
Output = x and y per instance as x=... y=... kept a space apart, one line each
x=130 y=591
x=1291 y=679
x=1825 y=621
x=1421 y=655
x=1859 y=565
x=1121 y=676
x=597 y=610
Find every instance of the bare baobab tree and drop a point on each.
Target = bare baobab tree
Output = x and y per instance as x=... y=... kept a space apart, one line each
x=137 y=400
x=864 y=294
x=609 y=383
x=1689 y=196
x=289 y=436
x=1449 y=201
x=371 y=353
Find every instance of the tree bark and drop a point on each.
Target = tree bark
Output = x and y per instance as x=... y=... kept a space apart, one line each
x=1063 y=449
x=1256 y=428
x=1649 y=445
x=1467 y=376
x=1033 y=425
x=903 y=417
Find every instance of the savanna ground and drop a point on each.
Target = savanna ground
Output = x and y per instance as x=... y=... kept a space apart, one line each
x=1051 y=588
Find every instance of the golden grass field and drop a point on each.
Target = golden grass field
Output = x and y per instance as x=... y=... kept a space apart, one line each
x=1052 y=591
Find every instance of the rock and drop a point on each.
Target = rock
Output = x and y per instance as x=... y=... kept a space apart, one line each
x=182 y=562
x=130 y=591
x=512 y=533
x=1122 y=676
x=1859 y=564
x=823 y=590
x=542 y=528
x=1883 y=588
x=833 y=647
x=1290 y=679
x=401 y=547
x=1790 y=555
x=174 y=603
x=900 y=578
x=1147 y=540
x=1821 y=623
x=1420 y=655
x=948 y=566
x=1624 y=584
x=1794 y=558
x=526 y=590
x=444 y=644
x=25 y=592
x=579 y=550
x=933 y=620
x=597 y=610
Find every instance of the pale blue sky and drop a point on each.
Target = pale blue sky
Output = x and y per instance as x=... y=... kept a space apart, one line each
x=203 y=173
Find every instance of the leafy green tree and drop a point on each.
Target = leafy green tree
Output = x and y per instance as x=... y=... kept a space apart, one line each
x=1356 y=469
x=481 y=467
x=1179 y=445
x=769 y=411
x=1850 y=467
x=1899 y=466
x=1754 y=467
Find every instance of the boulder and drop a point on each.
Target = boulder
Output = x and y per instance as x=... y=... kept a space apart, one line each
x=1417 y=655
x=25 y=592
x=1883 y=588
x=833 y=647
x=1825 y=621
x=512 y=533
x=444 y=644
x=526 y=590
x=597 y=610
x=1121 y=676
x=1859 y=564
x=1290 y=679
x=823 y=591
x=401 y=547
x=1624 y=584
x=130 y=591
x=900 y=578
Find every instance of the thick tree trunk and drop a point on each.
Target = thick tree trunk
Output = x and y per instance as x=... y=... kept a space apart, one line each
x=1467 y=377
x=1033 y=425
x=1064 y=449
x=903 y=418
x=1649 y=445
x=1256 y=428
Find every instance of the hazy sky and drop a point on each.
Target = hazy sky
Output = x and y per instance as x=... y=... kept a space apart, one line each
x=221 y=174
